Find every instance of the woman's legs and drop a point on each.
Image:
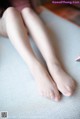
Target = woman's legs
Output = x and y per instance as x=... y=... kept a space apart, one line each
x=17 y=33
x=2 y=28
x=64 y=82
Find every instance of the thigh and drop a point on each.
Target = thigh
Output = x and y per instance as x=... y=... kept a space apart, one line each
x=2 y=28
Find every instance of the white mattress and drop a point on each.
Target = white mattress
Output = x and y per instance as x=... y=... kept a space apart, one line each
x=18 y=92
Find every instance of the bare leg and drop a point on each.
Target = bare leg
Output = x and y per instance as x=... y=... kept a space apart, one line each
x=2 y=28
x=64 y=82
x=17 y=33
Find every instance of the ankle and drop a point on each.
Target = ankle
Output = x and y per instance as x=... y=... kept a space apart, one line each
x=34 y=64
x=54 y=65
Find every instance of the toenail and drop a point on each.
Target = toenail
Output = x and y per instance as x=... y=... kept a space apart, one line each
x=56 y=99
x=69 y=94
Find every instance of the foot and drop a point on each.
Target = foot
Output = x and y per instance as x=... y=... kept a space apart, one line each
x=64 y=82
x=45 y=84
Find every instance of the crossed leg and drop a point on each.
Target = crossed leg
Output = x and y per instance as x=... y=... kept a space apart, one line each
x=17 y=32
x=65 y=83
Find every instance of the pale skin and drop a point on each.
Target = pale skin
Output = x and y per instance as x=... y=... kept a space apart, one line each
x=49 y=82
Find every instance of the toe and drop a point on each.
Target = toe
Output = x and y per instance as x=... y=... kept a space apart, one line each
x=69 y=91
x=57 y=97
x=47 y=94
x=64 y=90
x=52 y=96
x=56 y=93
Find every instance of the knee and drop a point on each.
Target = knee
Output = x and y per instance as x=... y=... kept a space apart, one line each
x=27 y=10
x=10 y=11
